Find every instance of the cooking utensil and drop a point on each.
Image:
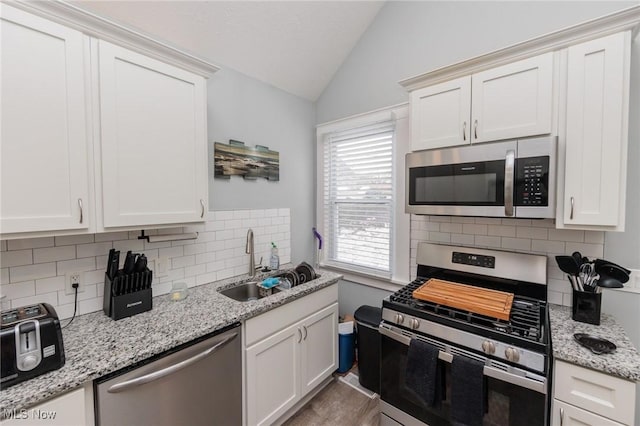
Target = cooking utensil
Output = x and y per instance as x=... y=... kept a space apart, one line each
x=614 y=271
x=568 y=264
x=609 y=282
x=601 y=262
x=578 y=257
x=595 y=344
x=141 y=263
x=129 y=263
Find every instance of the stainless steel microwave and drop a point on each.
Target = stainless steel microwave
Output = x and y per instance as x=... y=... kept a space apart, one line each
x=514 y=178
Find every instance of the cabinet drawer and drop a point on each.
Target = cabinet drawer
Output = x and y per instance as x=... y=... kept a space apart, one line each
x=268 y=323
x=567 y=415
x=599 y=393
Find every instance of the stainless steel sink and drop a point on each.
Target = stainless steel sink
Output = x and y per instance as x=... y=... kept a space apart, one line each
x=245 y=292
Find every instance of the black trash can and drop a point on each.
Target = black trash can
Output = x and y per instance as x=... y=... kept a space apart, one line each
x=368 y=342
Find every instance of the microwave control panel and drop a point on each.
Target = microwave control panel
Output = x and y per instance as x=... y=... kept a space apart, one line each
x=532 y=181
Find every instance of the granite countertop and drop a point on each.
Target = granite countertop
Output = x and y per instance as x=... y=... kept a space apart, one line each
x=96 y=345
x=624 y=362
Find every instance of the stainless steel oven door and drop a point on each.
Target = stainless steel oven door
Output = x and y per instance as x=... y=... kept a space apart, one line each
x=514 y=397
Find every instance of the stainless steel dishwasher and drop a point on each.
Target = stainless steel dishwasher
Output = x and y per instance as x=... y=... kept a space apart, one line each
x=199 y=383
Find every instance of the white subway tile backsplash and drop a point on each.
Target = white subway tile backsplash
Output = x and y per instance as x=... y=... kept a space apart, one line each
x=470 y=228
x=451 y=227
x=68 y=240
x=53 y=254
x=30 y=243
x=566 y=235
x=531 y=232
x=17 y=290
x=111 y=236
x=521 y=244
x=492 y=241
x=462 y=239
x=16 y=258
x=3 y=245
x=589 y=250
x=51 y=298
x=32 y=272
x=523 y=235
x=78 y=265
x=47 y=285
x=594 y=237
x=545 y=246
x=217 y=253
x=501 y=230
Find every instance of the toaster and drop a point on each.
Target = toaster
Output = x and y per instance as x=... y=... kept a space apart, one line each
x=31 y=343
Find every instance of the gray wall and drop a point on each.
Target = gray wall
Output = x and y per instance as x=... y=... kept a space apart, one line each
x=245 y=109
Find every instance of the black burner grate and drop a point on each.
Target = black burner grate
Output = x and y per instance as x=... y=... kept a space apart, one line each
x=526 y=319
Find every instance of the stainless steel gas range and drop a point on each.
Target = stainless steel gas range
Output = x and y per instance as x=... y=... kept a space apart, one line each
x=513 y=353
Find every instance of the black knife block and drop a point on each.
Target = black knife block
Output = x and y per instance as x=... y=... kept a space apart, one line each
x=586 y=307
x=127 y=295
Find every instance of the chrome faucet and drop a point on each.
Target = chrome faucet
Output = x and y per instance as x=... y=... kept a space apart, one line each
x=249 y=251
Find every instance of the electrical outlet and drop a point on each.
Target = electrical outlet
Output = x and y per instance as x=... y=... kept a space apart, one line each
x=74 y=278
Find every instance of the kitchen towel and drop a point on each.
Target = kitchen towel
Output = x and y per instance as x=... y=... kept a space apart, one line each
x=467 y=391
x=423 y=375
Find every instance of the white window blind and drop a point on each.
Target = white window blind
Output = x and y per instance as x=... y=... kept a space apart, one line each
x=358 y=198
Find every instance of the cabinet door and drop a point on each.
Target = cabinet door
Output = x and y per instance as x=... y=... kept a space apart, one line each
x=597 y=110
x=273 y=376
x=513 y=100
x=68 y=409
x=440 y=115
x=564 y=414
x=44 y=164
x=153 y=140
x=319 y=356
x=602 y=394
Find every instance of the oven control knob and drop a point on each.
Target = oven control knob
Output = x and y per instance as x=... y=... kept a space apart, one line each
x=415 y=323
x=399 y=318
x=512 y=354
x=488 y=347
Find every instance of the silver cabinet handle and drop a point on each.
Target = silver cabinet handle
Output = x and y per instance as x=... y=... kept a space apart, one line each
x=304 y=327
x=561 y=416
x=475 y=129
x=464 y=131
x=81 y=213
x=509 y=166
x=120 y=387
x=202 y=204
x=571 y=214
x=299 y=336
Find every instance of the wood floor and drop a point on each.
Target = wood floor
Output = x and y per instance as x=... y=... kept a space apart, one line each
x=338 y=404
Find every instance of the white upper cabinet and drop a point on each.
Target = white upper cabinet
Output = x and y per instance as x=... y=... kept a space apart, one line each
x=506 y=102
x=440 y=115
x=596 y=132
x=513 y=101
x=44 y=164
x=153 y=140
x=96 y=137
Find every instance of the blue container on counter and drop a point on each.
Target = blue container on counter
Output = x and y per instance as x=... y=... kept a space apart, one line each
x=346 y=346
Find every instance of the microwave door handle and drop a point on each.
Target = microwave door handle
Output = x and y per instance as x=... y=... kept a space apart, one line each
x=509 y=168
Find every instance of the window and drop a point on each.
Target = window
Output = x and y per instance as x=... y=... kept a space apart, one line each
x=359 y=199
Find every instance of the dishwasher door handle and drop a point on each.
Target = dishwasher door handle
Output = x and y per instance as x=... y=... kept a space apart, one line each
x=121 y=387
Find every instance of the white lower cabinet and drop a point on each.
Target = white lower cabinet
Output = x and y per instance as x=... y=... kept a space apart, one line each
x=288 y=353
x=587 y=397
x=74 y=408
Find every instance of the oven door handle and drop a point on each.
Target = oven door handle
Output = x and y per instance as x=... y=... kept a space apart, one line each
x=495 y=373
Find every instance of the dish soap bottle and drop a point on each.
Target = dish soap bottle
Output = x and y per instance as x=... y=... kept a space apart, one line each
x=274 y=261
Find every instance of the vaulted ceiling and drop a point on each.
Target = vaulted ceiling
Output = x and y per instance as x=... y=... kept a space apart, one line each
x=296 y=46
